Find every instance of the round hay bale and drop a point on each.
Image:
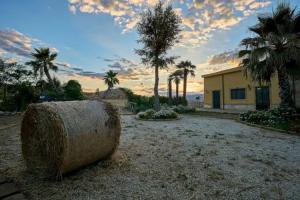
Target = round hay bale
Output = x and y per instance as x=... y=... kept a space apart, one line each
x=60 y=137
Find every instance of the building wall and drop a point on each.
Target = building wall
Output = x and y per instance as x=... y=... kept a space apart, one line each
x=211 y=84
x=235 y=80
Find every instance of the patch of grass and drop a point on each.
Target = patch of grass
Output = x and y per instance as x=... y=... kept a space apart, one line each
x=131 y=126
x=215 y=175
x=128 y=126
x=255 y=159
x=198 y=152
x=118 y=160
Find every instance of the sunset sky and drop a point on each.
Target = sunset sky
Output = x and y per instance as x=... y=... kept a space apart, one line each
x=94 y=36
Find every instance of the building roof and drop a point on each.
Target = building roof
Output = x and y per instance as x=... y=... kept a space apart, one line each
x=226 y=71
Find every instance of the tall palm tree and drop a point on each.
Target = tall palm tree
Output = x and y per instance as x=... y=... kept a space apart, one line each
x=177 y=76
x=43 y=61
x=187 y=69
x=111 y=79
x=274 y=49
x=170 y=80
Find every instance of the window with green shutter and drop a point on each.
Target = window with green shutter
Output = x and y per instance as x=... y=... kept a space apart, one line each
x=239 y=93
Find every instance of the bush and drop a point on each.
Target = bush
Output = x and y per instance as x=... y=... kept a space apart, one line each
x=274 y=117
x=162 y=114
x=165 y=114
x=143 y=103
x=183 y=109
x=20 y=96
x=179 y=101
x=73 y=90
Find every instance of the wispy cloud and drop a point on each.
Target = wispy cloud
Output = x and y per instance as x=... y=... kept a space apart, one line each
x=14 y=42
x=227 y=57
x=127 y=69
x=17 y=44
x=200 y=17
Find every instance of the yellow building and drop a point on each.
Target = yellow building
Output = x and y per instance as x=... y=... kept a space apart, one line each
x=230 y=89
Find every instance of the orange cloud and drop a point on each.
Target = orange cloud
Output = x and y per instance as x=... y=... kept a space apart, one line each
x=200 y=18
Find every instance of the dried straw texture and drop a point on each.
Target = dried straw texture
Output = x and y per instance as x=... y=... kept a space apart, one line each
x=60 y=137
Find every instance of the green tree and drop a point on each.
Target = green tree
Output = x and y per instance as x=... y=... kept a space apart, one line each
x=187 y=69
x=17 y=82
x=24 y=95
x=73 y=90
x=177 y=76
x=158 y=31
x=11 y=74
x=43 y=61
x=274 y=49
x=6 y=70
x=111 y=79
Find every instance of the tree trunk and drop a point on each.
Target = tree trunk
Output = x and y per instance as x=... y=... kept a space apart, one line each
x=4 y=92
x=285 y=89
x=156 y=97
x=48 y=76
x=170 y=91
x=184 y=84
x=177 y=90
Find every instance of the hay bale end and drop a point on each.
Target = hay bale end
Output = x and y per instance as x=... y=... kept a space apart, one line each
x=59 y=137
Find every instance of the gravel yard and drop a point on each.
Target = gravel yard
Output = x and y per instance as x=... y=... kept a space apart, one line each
x=196 y=157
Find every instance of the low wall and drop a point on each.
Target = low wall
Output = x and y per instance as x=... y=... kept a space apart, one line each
x=239 y=107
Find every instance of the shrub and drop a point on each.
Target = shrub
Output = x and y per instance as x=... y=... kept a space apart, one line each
x=162 y=114
x=165 y=114
x=148 y=114
x=183 y=109
x=20 y=96
x=73 y=90
x=143 y=103
x=273 y=117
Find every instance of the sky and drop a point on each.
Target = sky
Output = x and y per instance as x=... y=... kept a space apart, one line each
x=94 y=36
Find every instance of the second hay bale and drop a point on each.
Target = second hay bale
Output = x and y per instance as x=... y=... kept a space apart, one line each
x=60 y=137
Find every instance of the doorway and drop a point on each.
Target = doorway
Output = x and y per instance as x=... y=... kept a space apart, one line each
x=216 y=99
x=262 y=98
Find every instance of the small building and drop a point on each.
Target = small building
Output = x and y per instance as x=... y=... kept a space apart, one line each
x=231 y=89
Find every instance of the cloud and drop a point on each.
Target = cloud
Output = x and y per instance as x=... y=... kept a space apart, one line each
x=63 y=64
x=116 y=65
x=200 y=18
x=14 y=42
x=228 y=57
x=127 y=69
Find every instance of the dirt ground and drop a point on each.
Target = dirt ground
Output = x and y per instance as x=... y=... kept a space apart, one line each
x=196 y=157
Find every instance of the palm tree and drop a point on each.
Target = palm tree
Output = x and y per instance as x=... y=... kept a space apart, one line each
x=43 y=61
x=274 y=49
x=170 y=79
x=177 y=76
x=158 y=30
x=111 y=79
x=187 y=69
